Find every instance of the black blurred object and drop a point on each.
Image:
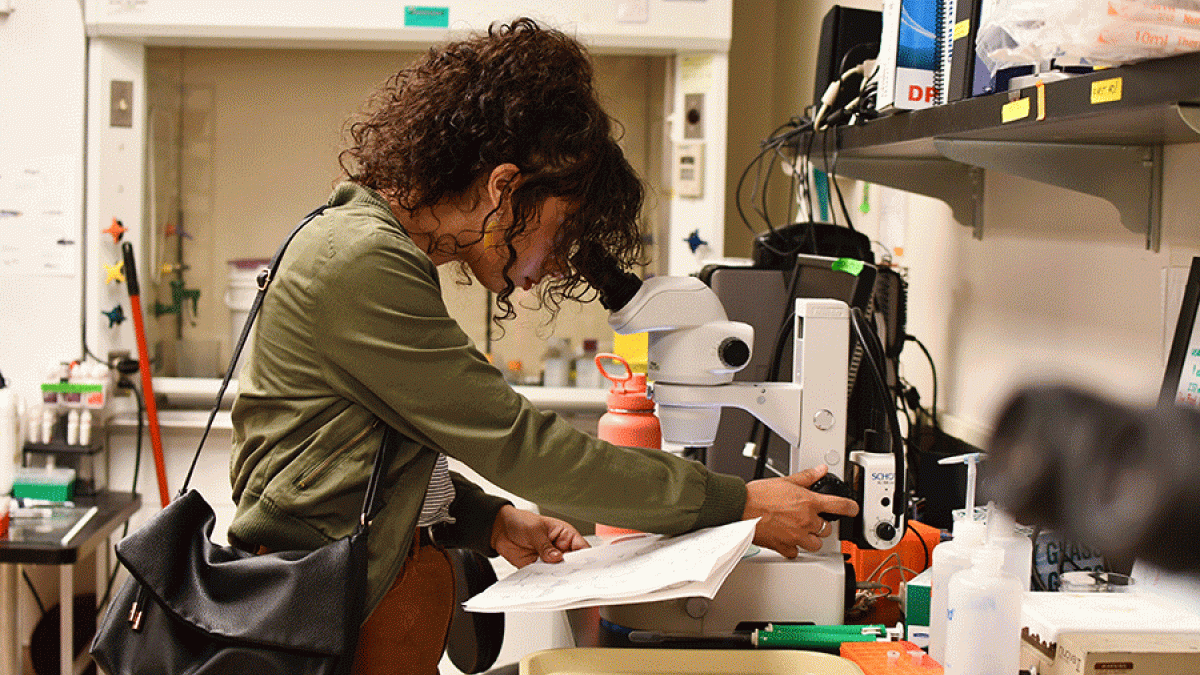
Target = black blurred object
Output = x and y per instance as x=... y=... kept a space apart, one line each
x=1123 y=480
x=46 y=639
x=849 y=36
x=474 y=639
x=777 y=249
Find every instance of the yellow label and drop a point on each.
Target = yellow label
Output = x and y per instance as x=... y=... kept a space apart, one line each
x=1106 y=91
x=961 y=29
x=1016 y=110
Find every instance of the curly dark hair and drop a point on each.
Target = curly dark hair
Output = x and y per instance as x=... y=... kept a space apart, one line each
x=519 y=94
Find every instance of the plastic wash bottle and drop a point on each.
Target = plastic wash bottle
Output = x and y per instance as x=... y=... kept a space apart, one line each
x=949 y=558
x=983 y=618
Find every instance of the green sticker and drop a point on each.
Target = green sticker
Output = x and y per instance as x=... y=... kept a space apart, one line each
x=848 y=265
x=426 y=17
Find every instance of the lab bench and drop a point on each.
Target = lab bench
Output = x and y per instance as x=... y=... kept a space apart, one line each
x=112 y=510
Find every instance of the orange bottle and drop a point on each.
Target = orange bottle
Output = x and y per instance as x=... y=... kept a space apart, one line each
x=630 y=420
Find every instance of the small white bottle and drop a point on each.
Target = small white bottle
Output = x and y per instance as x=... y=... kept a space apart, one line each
x=948 y=558
x=48 y=418
x=983 y=618
x=556 y=364
x=1018 y=549
x=587 y=374
x=85 y=427
x=73 y=427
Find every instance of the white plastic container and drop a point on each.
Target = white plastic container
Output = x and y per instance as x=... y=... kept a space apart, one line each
x=983 y=627
x=10 y=442
x=243 y=286
x=949 y=558
x=1018 y=549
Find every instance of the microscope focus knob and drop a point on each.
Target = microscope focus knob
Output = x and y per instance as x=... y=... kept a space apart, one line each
x=885 y=531
x=733 y=352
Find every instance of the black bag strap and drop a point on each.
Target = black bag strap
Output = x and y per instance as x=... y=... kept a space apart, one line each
x=265 y=277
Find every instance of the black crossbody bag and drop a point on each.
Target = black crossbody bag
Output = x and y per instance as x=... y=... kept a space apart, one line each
x=191 y=606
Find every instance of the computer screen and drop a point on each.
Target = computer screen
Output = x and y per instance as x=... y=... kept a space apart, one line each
x=1181 y=382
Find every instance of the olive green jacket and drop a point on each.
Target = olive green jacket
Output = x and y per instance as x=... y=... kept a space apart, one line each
x=352 y=335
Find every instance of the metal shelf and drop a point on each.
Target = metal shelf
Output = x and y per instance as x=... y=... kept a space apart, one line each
x=1101 y=134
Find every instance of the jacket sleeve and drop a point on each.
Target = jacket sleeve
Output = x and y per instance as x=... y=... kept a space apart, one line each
x=390 y=344
x=474 y=512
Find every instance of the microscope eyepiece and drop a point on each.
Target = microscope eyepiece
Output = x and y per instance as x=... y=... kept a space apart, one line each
x=602 y=271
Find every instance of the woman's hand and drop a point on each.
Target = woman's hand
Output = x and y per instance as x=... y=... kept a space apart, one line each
x=788 y=510
x=523 y=537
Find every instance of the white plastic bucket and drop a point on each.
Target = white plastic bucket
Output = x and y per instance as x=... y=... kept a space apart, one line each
x=243 y=286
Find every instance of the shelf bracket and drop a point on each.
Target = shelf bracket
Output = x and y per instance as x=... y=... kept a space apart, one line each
x=958 y=185
x=1190 y=114
x=1127 y=176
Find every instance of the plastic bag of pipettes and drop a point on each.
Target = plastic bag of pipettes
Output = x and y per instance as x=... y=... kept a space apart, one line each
x=1085 y=32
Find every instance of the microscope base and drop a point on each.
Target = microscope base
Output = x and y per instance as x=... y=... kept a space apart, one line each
x=764 y=588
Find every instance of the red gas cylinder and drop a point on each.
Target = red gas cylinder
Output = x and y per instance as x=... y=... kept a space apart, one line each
x=630 y=420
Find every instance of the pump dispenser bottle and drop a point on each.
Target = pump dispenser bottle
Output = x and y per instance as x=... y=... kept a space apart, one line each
x=953 y=556
x=983 y=627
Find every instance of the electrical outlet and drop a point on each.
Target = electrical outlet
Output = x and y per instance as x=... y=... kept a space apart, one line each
x=688 y=180
x=693 y=116
x=121 y=104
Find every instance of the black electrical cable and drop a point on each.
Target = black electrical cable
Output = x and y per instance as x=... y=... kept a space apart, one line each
x=786 y=328
x=137 y=463
x=910 y=445
x=33 y=591
x=833 y=178
x=862 y=330
x=928 y=557
x=933 y=372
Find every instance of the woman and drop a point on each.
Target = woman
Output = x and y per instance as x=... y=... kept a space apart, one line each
x=492 y=153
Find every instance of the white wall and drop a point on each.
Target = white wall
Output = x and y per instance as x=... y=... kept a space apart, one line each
x=42 y=77
x=1057 y=288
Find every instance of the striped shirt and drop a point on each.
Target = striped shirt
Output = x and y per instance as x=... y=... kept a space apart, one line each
x=439 y=494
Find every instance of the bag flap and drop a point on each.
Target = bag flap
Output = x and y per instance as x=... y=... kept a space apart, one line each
x=291 y=599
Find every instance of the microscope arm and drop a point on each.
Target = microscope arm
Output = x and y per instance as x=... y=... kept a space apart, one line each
x=773 y=403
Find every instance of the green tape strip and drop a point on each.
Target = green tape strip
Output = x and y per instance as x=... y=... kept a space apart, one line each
x=848 y=265
x=426 y=17
x=70 y=388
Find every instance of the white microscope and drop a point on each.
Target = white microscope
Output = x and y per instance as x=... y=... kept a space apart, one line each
x=694 y=352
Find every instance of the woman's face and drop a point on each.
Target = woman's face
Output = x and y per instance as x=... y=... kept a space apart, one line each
x=532 y=250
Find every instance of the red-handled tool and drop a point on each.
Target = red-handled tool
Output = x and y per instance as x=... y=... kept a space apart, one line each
x=139 y=329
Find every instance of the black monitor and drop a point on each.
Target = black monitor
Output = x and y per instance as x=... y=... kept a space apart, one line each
x=1181 y=382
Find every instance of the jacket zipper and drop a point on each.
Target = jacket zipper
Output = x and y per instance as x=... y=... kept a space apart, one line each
x=311 y=476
